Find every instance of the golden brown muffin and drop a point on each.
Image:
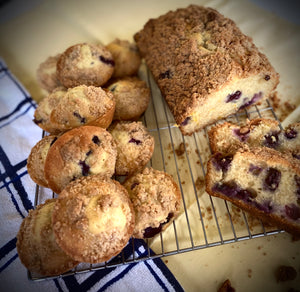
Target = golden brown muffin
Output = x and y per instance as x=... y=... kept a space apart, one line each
x=36 y=160
x=85 y=63
x=36 y=244
x=82 y=151
x=93 y=219
x=135 y=146
x=156 y=201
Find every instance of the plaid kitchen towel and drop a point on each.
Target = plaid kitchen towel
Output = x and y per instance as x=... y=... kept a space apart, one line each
x=18 y=134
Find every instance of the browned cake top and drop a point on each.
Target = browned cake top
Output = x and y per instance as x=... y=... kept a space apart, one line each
x=192 y=51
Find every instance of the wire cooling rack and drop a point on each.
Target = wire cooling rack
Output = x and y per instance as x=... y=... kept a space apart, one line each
x=205 y=221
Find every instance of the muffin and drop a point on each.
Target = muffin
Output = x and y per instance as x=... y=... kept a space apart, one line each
x=93 y=219
x=156 y=200
x=82 y=151
x=135 y=146
x=36 y=244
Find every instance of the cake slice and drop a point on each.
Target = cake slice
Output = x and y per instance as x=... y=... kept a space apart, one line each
x=205 y=67
x=261 y=181
x=229 y=137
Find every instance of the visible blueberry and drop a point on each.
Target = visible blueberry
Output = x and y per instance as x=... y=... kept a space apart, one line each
x=254 y=99
x=89 y=153
x=229 y=189
x=292 y=211
x=96 y=140
x=107 y=61
x=296 y=155
x=290 y=133
x=254 y=169
x=151 y=231
x=246 y=195
x=37 y=121
x=113 y=88
x=134 y=185
x=267 y=77
x=222 y=162
x=234 y=96
x=165 y=75
x=242 y=134
x=265 y=206
x=137 y=142
x=186 y=121
x=271 y=140
x=82 y=119
x=84 y=168
x=272 y=179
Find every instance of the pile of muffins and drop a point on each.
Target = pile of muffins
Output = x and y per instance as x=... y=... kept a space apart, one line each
x=94 y=136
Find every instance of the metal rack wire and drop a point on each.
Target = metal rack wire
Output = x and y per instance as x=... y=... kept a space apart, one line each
x=205 y=221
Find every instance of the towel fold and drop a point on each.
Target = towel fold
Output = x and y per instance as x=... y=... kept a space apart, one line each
x=18 y=134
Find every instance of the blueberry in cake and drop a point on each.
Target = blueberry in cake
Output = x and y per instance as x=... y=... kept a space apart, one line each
x=205 y=67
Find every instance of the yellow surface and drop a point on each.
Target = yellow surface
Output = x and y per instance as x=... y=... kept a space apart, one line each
x=48 y=27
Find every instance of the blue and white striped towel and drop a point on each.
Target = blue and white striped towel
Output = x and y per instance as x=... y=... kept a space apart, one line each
x=18 y=135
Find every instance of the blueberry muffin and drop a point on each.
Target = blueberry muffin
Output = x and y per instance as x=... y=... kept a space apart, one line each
x=46 y=74
x=84 y=63
x=82 y=151
x=156 y=201
x=36 y=244
x=44 y=109
x=132 y=98
x=126 y=56
x=135 y=146
x=83 y=105
x=261 y=181
x=93 y=219
x=36 y=160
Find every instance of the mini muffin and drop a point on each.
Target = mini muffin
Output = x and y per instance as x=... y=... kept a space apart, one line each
x=156 y=201
x=85 y=63
x=93 y=219
x=82 y=151
x=44 y=109
x=83 y=105
x=126 y=56
x=36 y=160
x=132 y=98
x=46 y=73
x=36 y=244
x=135 y=146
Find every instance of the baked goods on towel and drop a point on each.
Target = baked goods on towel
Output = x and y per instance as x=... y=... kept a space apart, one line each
x=93 y=219
x=205 y=67
x=36 y=245
x=261 y=181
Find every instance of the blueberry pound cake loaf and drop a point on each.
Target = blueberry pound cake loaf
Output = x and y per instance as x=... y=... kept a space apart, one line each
x=229 y=137
x=261 y=181
x=205 y=67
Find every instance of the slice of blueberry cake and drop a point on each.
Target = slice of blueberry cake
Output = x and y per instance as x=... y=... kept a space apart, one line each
x=261 y=181
x=229 y=137
x=205 y=67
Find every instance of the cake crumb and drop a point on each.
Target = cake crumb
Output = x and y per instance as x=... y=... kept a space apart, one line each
x=181 y=149
x=249 y=273
x=199 y=183
x=226 y=287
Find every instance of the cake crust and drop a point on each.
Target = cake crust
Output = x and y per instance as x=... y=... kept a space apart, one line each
x=195 y=52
